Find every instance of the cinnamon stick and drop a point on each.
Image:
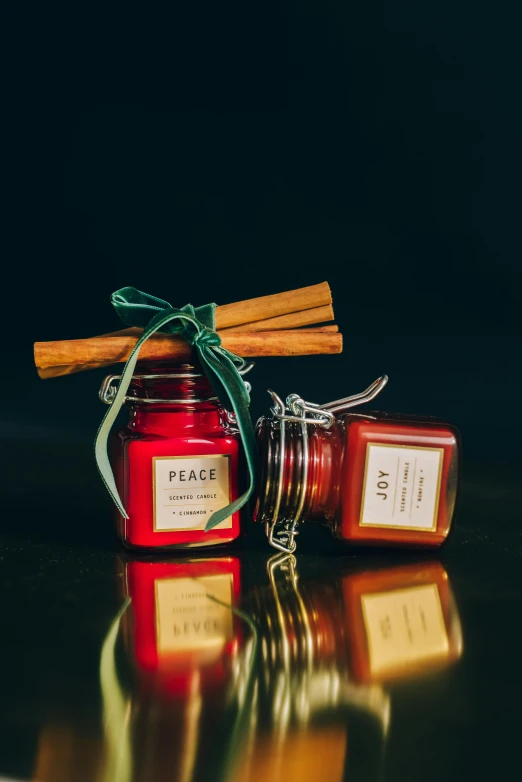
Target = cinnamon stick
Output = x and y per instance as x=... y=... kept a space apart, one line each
x=330 y=328
x=166 y=348
x=291 y=320
x=263 y=307
x=69 y=369
x=45 y=373
x=292 y=309
x=299 y=342
x=287 y=310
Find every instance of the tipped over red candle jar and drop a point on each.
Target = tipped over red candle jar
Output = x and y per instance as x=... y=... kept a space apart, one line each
x=374 y=479
x=176 y=461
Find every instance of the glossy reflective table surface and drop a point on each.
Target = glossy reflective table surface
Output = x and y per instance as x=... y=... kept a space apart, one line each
x=242 y=666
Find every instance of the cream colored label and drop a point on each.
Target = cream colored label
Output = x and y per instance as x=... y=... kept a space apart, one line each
x=404 y=627
x=188 y=618
x=401 y=487
x=188 y=490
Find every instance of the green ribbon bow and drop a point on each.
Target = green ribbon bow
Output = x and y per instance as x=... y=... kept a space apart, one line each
x=198 y=327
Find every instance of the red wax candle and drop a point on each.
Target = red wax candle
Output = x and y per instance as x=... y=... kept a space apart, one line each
x=400 y=621
x=176 y=462
x=174 y=628
x=375 y=479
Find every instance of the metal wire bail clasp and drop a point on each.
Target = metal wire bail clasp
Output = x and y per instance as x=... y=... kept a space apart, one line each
x=281 y=532
x=108 y=388
x=341 y=405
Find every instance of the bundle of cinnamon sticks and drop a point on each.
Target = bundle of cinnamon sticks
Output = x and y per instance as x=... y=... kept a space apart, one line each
x=277 y=325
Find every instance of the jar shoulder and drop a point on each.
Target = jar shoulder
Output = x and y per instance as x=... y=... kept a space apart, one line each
x=224 y=441
x=397 y=426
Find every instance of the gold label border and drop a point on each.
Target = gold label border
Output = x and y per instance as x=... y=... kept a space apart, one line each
x=390 y=669
x=437 y=500
x=187 y=456
x=230 y=582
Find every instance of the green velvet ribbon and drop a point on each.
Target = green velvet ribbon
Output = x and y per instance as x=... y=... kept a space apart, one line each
x=197 y=325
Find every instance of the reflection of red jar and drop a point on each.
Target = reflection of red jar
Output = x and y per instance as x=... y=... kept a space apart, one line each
x=307 y=710
x=176 y=461
x=400 y=621
x=175 y=628
x=307 y=617
x=302 y=663
x=374 y=479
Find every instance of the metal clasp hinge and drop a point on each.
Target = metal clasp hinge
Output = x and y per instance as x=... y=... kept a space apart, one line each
x=299 y=411
x=108 y=390
x=281 y=533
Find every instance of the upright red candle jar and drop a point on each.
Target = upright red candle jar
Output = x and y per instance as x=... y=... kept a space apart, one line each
x=375 y=479
x=176 y=461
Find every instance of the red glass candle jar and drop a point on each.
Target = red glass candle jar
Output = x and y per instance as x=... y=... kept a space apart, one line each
x=375 y=479
x=180 y=625
x=176 y=461
x=401 y=621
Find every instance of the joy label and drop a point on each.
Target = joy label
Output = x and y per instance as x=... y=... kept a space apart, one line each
x=401 y=487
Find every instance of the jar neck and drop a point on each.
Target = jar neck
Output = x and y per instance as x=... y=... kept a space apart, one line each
x=153 y=385
x=299 y=471
x=165 y=398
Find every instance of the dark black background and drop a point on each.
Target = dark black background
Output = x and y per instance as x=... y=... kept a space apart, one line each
x=228 y=153
x=225 y=151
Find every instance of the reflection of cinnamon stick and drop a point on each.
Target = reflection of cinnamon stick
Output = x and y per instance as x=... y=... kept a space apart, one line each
x=165 y=348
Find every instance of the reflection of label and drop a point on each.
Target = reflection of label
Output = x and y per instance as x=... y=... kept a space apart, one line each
x=187 y=491
x=401 y=487
x=404 y=627
x=186 y=615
